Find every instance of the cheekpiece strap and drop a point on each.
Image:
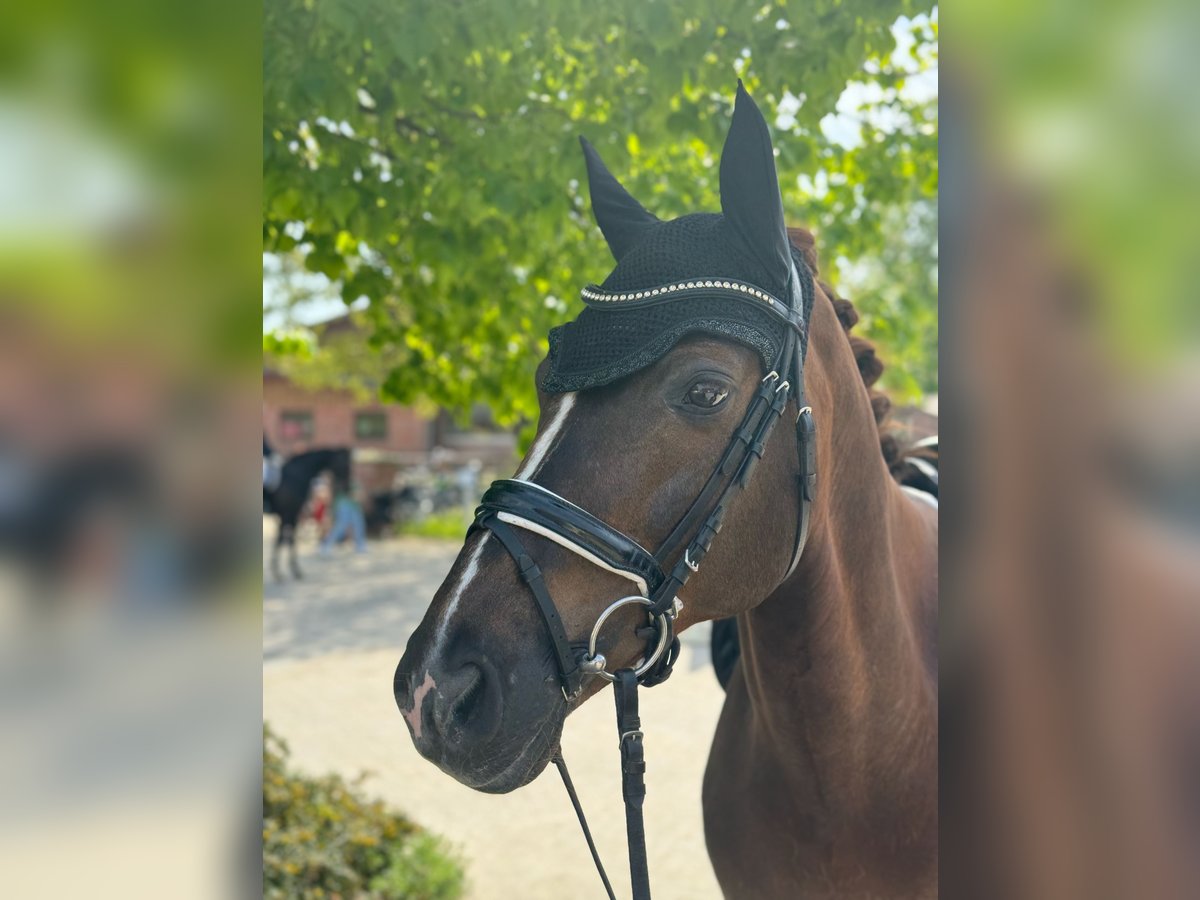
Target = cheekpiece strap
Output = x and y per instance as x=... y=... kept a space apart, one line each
x=568 y=665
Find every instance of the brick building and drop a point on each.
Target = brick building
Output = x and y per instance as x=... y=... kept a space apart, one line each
x=385 y=437
x=296 y=419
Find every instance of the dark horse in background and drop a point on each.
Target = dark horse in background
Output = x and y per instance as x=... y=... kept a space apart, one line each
x=287 y=500
x=822 y=778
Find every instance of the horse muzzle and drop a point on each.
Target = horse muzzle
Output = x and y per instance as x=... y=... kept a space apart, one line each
x=474 y=724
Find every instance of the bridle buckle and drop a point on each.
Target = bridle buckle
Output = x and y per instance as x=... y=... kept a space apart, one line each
x=570 y=697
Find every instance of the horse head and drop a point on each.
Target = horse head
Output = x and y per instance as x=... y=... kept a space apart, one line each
x=699 y=329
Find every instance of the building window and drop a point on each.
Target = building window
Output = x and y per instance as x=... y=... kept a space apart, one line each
x=296 y=425
x=370 y=426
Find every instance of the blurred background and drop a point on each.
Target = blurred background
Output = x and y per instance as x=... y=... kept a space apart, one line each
x=1070 y=628
x=419 y=215
x=129 y=373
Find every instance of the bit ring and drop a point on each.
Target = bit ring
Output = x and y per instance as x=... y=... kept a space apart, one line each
x=663 y=631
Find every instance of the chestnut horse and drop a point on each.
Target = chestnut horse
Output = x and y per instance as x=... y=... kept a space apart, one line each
x=822 y=779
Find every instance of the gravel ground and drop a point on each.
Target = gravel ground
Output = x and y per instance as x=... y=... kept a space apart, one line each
x=330 y=645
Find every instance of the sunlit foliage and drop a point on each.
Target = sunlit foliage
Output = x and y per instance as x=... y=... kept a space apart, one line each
x=425 y=157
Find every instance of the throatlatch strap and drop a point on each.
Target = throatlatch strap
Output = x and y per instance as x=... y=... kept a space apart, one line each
x=633 y=781
x=568 y=666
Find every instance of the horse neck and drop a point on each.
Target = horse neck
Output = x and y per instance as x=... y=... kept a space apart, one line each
x=858 y=611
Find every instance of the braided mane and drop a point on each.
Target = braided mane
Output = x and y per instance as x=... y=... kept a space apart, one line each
x=870 y=366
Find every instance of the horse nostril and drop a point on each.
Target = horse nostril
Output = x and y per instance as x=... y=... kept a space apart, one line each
x=467 y=708
x=462 y=709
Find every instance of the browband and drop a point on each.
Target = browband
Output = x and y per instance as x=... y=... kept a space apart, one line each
x=597 y=297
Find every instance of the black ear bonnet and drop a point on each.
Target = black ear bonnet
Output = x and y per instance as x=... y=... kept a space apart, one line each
x=733 y=274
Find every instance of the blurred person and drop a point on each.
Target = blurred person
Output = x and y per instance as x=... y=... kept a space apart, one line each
x=319 y=509
x=347 y=516
x=272 y=468
x=468 y=485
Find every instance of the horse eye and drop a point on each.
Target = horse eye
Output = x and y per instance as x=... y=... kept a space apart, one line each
x=706 y=394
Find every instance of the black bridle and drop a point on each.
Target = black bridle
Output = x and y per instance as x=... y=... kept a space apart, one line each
x=510 y=504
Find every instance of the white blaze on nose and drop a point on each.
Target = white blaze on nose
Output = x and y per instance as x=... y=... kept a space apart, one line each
x=536 y=456
x=468 y=575
x=414 y=715
x=537 y=453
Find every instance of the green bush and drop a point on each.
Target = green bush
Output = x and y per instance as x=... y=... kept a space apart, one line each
x=448 y=524
x=323 y=839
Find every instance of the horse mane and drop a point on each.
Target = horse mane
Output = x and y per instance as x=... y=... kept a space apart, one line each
x=870 y=366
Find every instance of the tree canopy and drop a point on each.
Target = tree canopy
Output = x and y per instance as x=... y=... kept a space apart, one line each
x=425 y=156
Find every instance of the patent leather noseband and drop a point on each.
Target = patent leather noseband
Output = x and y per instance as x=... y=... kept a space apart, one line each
x=535 y=508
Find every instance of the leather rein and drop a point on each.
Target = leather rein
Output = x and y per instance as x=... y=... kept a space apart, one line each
x=511 y=504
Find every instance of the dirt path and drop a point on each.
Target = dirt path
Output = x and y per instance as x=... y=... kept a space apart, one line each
x=330 y=645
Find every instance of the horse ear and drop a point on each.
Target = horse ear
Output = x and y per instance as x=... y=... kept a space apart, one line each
x=622 y=219
x=750 y=197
